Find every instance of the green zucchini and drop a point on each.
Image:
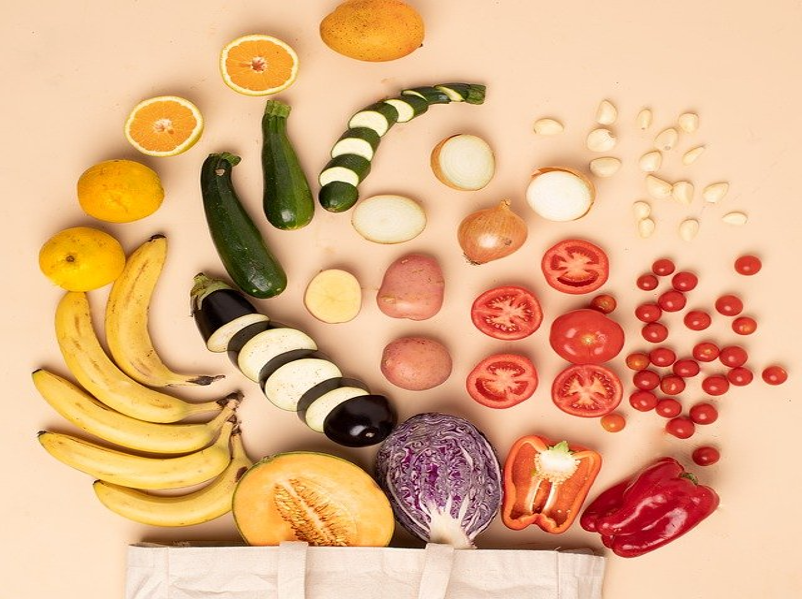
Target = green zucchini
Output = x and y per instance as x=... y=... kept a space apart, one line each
x=351 y=156
x=239 y=243
x=287 y=199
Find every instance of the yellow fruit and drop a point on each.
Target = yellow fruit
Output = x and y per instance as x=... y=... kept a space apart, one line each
x=258 y=65
x=164 y=126
x=80 y=259
x=119 y=191
x=373 y=30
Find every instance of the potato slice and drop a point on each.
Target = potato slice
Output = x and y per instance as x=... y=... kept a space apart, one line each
x=333 y=296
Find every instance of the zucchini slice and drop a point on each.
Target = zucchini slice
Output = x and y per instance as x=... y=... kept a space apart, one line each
x=463 y=92
x=221 y=338
x=430 y=94
x=348 y=168
x=379 y=117
x=287 y=384
x=319 y=409
x=338 y=196
x=361 y=141
x=408 y=107
x=267 y=345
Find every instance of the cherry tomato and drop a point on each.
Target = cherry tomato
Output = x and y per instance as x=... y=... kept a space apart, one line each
x=775 y=375
x=715 y=385
x=744 y=325
x=587 y=390
x=507 y=313
x=697 y=320
x=705 y=456
x=681 y=427
x=684 y=281
x=671 y=301
x=729 y=305
x=647 y=282
x=748 y=264
x=740 y=376
x=703 y=413
x=586 y=336
x=654 y=332
x=637 y=361
x=575 y=266
x=705 y=351
x=663 y=267
x=604 y=303
x=686 y=367
x=614 y=422
x=668 y=408
x=642 y=400
x=502 y=380
x=662 y=357
x=733 y=356
x=672 y=385
x=648 y=312
x=646 y=380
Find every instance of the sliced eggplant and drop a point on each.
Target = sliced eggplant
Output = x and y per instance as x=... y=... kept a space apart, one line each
x=408 y=107
x=319 y=409
x=325 y=387
x=379 y=117
x=360 y=421
x=221 y=338
x=243 y=336
x=282 y=359
x=216 y=304
x=361 y=141
x=286 y=385
x=267 y=345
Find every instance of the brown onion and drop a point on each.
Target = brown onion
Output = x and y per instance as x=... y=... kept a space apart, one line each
x=491 y=233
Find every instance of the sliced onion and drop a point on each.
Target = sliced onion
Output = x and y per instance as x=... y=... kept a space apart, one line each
x=388 y=219
x=491 y=233
x=464 y=162
x=560 y=193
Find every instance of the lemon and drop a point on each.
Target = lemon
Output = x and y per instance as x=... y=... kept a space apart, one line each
x=120 y=191
x=80 y=259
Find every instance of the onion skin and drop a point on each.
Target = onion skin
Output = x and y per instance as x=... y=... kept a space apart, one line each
x=491 y=233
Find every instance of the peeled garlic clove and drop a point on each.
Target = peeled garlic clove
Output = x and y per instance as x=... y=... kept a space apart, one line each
x=682 y=191
x=688 y=229
x=658 y=188
x=735 y=218
x=646 y=227
x=715 y=192
x=548 y=127
x=666 y=139
x=644 y=119
x=651 y=161
x=641 y=209
x=601 y=140
x=691 y=155
x=688 y=122
x=605 y=166
x=606 y=114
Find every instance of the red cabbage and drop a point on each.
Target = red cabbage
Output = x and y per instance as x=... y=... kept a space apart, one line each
x=442 y=477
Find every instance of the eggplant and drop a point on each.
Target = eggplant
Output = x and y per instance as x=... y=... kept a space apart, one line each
x=269 y=344
x=314 y=393
x=220 y=311
x=360 y=421
x=317 y=412
x=285 y=384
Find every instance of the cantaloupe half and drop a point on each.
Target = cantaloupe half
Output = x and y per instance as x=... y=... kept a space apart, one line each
x=311 y=497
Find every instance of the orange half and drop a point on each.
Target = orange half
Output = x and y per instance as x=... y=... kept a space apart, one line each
x=258 y=65
x=164 y=126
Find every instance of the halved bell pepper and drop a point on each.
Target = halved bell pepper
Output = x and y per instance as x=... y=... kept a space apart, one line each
x=545 y=484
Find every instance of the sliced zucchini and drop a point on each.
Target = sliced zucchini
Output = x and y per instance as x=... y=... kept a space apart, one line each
x=348 y=168
x=471 y=93
x=379 y=117
x=360 y=421
x=431 y=94
x=267 y=345
x=287 y=384
x=408 y=107
x=338 y=196
x=360 y=141
x=319 y=409
x=222 y=336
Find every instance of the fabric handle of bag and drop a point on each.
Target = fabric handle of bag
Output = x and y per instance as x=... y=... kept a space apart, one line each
x=438 y=559
x=291 y=573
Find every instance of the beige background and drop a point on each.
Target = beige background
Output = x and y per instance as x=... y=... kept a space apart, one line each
x=72 y=71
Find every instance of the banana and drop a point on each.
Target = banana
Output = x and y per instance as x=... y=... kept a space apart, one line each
x=142 y=472
x=84 y=411
x=96 y=372
x=127 y=320
x=205 y=504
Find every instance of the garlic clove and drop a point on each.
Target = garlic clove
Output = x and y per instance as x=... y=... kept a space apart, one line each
x=641 y=209
x=606 y=114
x=688 y=229
x=606 y=166
x=644 y=119
x=651 y=161
x=682 y=192
x=601 y=140
x=688 y=122
x=735 y=218
x=548 y=127
x=666 y=139
x=715 y=192
x=691 y=155
x=658 y=188
x=646 y=227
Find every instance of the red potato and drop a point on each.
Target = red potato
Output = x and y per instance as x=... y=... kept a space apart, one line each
x=412 y=288
x=416 y=363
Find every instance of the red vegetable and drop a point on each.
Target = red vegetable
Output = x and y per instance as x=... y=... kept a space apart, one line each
x=642 y=400
x=697 y=320
x=672 y=385
x=703 y=413
x=654 y=332
x=705 y=351
x=684 y=281
x=705 y=456
x=744 y=325
x=646 y=379
x=575 y=267
x=668 y=408
x=681 y=427
x=663 y=267
x=775 y=375
x=614 y=422
x=502 y=380
x=715 y=385
x=507 y=313
x=587 y=391
x=648 y=312
x=637 y=361
x=685 y=367
x=740 y=376
x=647 y=282
x=748 y=265
x=586 y=336
x=729 y=305
x=662 y=357
x=604 y=303
x=672 y=301
x=733 y=356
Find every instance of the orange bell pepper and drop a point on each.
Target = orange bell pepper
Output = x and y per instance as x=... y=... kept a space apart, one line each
x=545 y=484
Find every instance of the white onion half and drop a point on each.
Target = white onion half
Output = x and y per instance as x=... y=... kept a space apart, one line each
x=388 y=219
x=560 y=193
x=464 y=162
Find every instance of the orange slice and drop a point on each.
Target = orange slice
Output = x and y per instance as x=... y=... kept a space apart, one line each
x=164 y=126
x=258 y=65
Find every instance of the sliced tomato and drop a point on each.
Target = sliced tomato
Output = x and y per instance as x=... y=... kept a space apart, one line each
x=508 y=312
x=575 y=266
x=587 y=391
x=502 y=380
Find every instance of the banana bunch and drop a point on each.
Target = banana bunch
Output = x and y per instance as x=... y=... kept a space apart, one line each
x=116 y=403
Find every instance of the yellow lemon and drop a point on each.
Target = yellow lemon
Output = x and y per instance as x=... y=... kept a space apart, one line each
x=80 y=259
x=120 y=191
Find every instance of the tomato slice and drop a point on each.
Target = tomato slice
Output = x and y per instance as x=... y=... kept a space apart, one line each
x=502 y=380
x=575 y=266
x=507 y=313
x=587 y=391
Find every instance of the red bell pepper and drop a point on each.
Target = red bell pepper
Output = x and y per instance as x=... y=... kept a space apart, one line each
x=656 y=506
x=545 y=484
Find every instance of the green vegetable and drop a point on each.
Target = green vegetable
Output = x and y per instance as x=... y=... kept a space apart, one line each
x=238 y=241
x=287 y=201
